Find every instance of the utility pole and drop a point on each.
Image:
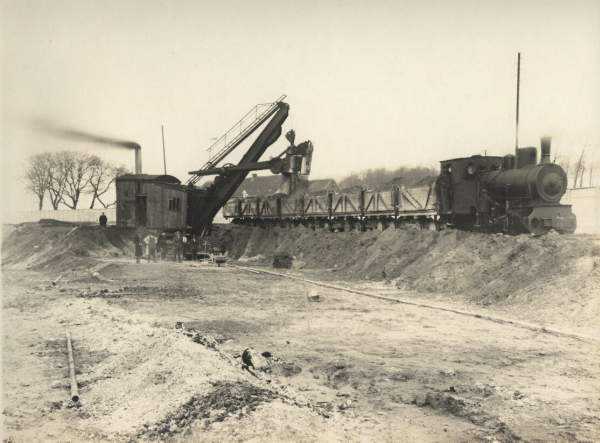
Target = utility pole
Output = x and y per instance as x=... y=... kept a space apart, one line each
x=517 y=113
x=162 y=130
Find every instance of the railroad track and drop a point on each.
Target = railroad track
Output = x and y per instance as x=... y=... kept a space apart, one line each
x=482 y=316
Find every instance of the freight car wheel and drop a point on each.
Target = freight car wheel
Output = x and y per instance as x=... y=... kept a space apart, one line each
x=430 y=225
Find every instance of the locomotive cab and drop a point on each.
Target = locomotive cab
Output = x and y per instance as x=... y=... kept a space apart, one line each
x=458 y=189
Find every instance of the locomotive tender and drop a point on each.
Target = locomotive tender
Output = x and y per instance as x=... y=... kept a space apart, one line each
x=513 y=194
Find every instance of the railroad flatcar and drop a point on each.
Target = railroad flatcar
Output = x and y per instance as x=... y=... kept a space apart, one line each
x=358 y=209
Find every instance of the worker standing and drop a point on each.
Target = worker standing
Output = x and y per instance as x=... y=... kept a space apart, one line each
x=150 y=241
x=139 y=248
x=184 y=245
x=103 y=220
x=162 y=246
x=194 y=247
x=178 y=246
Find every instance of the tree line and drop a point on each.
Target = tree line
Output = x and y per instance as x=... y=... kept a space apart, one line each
x=381 y=178
x=581 y=172
x=63 y=178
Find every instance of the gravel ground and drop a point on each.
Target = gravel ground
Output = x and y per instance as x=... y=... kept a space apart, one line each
x=342 y=368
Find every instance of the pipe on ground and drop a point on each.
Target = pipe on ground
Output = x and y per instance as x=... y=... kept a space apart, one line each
x=74 y=389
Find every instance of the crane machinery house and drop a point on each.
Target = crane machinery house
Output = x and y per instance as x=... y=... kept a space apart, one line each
x=151 y=201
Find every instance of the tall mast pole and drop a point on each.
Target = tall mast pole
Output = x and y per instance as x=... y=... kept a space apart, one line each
x=517 y=113
x=162 y=130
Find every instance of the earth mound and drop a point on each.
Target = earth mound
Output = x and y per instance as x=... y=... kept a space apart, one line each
x=59 y=246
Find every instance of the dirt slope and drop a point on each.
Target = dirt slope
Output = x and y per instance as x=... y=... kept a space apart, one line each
x=484 y=267
x=481 y=267
x=55 y=246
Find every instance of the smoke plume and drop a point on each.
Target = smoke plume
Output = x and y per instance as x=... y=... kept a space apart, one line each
x=76 y=134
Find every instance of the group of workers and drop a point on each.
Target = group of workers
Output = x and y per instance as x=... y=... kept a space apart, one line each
x=155 y=247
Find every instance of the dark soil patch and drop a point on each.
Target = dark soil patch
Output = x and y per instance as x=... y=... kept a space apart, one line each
x=54 y=348
x=286 y=369
x=86 y=359
x=227 y=399
x=338 y=374
x=142 y=291
x=283 y=261
x=224 y=328
x=451 y=403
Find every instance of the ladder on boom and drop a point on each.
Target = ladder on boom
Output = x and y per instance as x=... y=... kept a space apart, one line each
x=235 y=135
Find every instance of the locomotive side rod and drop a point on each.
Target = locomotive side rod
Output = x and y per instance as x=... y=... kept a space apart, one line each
x=503 y=321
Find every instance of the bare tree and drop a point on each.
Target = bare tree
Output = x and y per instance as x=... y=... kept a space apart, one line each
x=65 y=176
x=77 y=167
x=579 y=169
x=102 y=176
x=37 y=176
x=581 y=177
x=57 y=177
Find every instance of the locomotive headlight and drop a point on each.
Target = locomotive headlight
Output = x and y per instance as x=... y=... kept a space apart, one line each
x=471 y=169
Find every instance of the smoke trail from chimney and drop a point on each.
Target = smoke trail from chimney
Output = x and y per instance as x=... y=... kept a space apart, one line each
x=76 y=134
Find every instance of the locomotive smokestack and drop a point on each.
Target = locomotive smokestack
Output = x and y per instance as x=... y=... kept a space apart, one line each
x=545 y=148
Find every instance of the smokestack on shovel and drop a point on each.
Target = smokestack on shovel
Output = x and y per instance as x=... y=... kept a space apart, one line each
x=75 y=134
x=137 y=150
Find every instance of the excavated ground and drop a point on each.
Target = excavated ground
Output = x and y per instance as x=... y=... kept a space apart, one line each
x=553 y=279
x=157 y=345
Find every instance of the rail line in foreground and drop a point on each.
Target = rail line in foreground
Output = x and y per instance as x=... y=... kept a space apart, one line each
x=487 y=317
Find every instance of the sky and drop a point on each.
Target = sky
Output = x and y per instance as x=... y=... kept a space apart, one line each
x=371 y=84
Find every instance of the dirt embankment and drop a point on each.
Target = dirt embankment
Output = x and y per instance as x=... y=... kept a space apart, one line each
x=55 y=246
x=480 y=267
x=486 y=268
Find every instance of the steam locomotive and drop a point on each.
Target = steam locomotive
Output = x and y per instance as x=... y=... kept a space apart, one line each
x=512 y=193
